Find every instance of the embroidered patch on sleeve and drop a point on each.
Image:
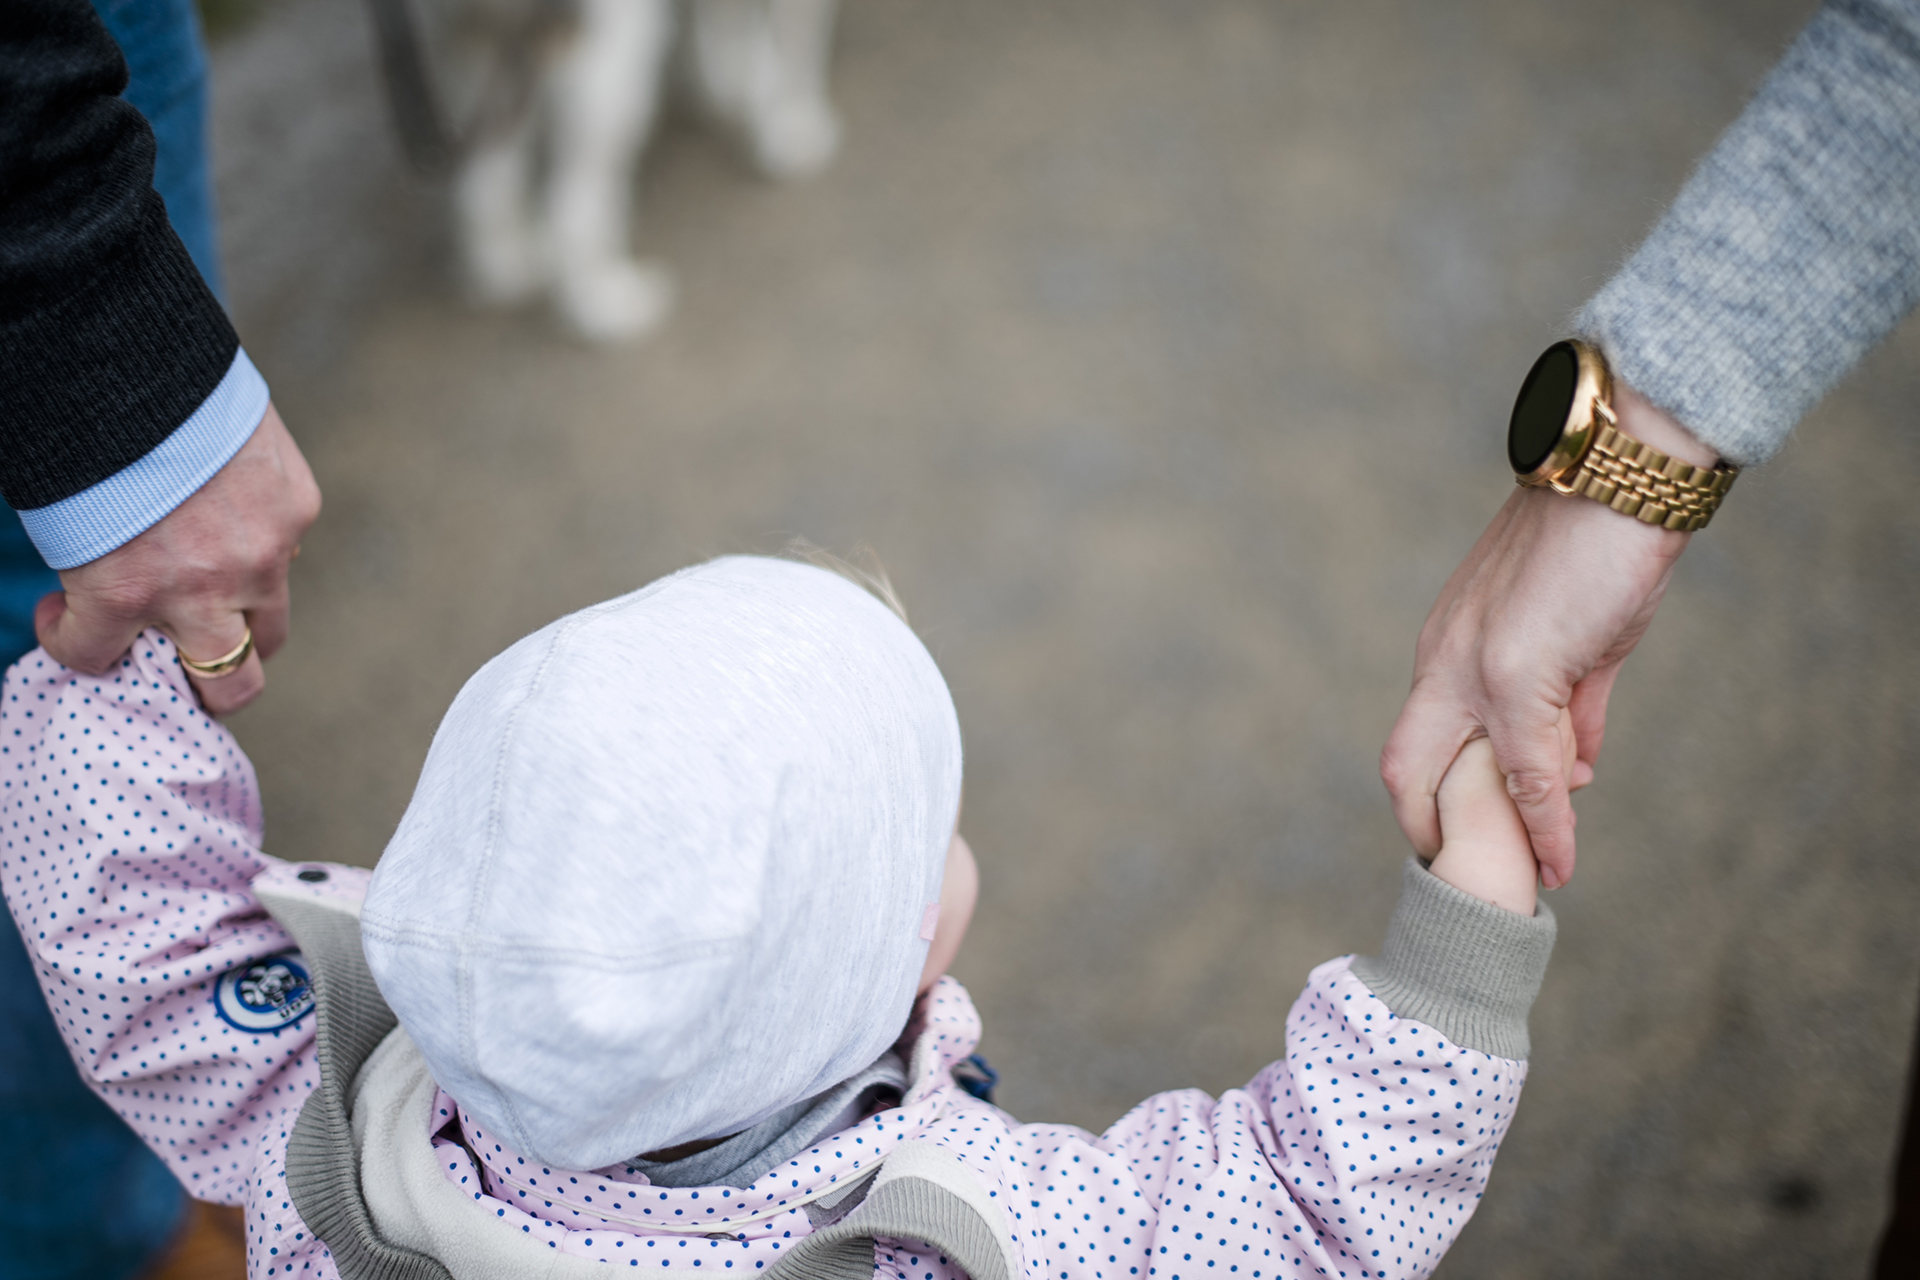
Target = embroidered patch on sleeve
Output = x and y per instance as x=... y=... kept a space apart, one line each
x=265 y=995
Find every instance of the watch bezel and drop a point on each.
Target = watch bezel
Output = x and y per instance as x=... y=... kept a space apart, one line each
x=1591 y=405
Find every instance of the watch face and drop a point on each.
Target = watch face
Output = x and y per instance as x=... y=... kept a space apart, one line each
x=1540 y=411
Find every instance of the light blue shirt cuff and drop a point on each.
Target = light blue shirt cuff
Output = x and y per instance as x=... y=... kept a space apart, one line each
x=94 y=521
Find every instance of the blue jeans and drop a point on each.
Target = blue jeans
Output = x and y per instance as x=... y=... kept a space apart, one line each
x=167 y=81
x=24 y=578
x=87 y=1200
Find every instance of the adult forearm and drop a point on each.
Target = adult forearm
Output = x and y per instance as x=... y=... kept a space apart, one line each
x=1794 y=247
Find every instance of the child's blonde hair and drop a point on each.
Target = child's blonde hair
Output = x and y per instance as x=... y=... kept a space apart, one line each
x=872 y=577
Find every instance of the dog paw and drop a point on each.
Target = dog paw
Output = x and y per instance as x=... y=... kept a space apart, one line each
x=796 y=139
x=615 y=301
x=503 y=270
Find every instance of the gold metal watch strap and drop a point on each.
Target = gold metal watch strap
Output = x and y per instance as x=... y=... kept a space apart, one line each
x=1638 y=480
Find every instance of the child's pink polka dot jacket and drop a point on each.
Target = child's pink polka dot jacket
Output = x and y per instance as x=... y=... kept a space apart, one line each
x=171 y=951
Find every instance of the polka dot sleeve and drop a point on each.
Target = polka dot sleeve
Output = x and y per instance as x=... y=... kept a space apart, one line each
x=129 y=831
x=1362 y=1153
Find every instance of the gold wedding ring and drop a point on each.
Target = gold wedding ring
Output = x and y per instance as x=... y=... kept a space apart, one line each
x=224 y=665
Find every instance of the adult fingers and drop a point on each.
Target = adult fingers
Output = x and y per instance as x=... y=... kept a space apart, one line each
x=224 y=695
x=207 y=639
x=1579 y=772
x=1530 y=753
x=270 y=619
x=1588 y=707
x=82 y=634
x=1419 y=751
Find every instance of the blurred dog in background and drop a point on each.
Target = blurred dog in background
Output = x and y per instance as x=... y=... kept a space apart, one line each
x=557 y=99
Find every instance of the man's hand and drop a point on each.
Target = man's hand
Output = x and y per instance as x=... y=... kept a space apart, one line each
x=213 y=566
x=1535 y=621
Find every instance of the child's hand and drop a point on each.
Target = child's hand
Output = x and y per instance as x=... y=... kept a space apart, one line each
x=1483 y=844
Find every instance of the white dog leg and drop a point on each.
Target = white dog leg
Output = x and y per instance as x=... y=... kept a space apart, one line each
x=605 y=91
x=762 y=66
x=493 y=224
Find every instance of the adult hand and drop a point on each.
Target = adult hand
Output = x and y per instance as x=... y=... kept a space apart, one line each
x=1536 y=620
x=210 y=568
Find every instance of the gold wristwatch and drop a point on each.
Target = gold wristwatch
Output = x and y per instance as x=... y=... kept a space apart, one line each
x=1564 y=435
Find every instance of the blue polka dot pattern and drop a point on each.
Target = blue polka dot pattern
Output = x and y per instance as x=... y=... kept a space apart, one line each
x=1362 y=1154
x=130 y=830
x=130 y=837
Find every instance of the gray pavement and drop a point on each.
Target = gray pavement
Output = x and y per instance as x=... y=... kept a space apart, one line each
x=1162 y=351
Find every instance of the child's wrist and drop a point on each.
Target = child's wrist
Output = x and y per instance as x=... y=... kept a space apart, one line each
x=1494 y=872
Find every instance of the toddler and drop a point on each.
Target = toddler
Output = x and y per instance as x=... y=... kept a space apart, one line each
x=652 y=975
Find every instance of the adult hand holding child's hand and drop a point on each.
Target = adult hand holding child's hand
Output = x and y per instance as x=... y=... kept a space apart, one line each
x=212 y=567
x=1532 y=627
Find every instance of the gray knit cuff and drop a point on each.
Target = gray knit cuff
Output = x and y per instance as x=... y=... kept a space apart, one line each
x=1466 y=968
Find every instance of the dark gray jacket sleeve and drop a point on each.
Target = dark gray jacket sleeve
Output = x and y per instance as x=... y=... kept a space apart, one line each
x=1793 y=248
x=109 y=339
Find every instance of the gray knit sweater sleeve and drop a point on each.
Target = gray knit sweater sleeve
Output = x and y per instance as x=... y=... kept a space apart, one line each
x=1793 y=248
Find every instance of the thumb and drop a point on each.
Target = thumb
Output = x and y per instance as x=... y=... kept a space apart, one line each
x=1533 y=758
x=73 y=639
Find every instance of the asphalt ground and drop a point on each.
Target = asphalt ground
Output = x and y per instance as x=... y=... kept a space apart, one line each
x=1162 y=352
